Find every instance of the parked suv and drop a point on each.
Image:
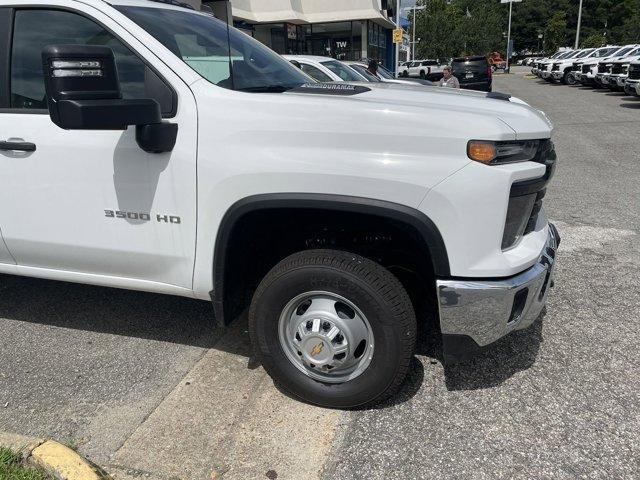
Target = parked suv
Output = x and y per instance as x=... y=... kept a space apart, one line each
x=424 y=69
x=473 y=73
x=152 y=147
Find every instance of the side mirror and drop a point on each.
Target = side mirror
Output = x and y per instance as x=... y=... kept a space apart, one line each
x=83 y=93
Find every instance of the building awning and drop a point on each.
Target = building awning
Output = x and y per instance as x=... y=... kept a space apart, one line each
x=309 y=11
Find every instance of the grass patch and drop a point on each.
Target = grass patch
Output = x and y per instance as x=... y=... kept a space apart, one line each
x=13 y=468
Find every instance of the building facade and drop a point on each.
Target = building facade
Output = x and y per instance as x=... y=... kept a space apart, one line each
x=343 y=29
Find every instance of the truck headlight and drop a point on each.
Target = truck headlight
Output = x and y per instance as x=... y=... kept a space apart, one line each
x=495 y=153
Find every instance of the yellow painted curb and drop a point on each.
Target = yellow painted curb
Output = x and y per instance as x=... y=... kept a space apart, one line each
x=63 y=463
x=56 y=459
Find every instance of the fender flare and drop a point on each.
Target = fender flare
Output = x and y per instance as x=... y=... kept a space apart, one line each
x=423 y=225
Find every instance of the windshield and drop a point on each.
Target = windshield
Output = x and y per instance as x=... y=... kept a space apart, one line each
x=228 y=59
x=585 y=53
x=343 y=71
x=384 y=73
x=623 y=52
x=362 y=70
x=604 y=52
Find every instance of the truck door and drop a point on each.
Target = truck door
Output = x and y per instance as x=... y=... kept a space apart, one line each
x=5 y=256
x=93 y=201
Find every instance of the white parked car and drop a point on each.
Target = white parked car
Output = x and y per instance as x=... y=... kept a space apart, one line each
x=617 y=79
x=561 y=69
x=402 y=68
x=151 y=147
x=585 y=69
x=603 y=69
x=541 y=65
x=632 y=85
x=425 y=69
x=325 y=69
x=383 y=75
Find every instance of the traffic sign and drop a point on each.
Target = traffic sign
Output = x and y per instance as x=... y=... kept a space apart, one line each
x=397 y=35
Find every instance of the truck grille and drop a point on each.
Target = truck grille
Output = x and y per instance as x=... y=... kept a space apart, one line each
x=586 y=68
x=634 y=71
x=556 y=67
x=624 y=70
x=543 y=66
x=616 y=69
x=576 y=67
x=525 y=198
x=604 y=68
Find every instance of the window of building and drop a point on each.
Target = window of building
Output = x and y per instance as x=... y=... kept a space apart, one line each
x=377 y=41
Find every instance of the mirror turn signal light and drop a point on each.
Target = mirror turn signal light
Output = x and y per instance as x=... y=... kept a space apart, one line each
x=482 y=151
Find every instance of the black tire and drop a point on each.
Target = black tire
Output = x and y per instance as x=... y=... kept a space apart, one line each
x=375 y=291
x=423 y=75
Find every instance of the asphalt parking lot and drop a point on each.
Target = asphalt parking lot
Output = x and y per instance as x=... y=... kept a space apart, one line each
x=145 y=385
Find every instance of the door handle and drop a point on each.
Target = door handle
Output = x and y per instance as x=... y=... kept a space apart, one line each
x=19 y=146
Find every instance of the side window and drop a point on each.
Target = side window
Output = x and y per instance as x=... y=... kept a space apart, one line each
x=315 y=73
x=35 y=29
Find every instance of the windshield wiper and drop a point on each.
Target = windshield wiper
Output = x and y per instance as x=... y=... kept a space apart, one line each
x=265 y=89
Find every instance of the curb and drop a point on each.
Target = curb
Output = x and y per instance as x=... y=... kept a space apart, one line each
x=56 y=459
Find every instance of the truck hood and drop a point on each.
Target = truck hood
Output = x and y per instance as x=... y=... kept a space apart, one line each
x=627 y=60
x=470 y=106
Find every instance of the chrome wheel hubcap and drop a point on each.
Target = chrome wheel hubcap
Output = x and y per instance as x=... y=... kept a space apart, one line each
x=326 y=336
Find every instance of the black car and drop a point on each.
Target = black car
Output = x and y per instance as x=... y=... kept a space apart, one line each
x=473 y=73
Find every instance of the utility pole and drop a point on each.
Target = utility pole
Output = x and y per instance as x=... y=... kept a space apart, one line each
x=413 y=41
x=579 y=22
x=397 y=44
x=510 y=2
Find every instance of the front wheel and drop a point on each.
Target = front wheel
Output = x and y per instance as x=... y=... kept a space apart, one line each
x=569 y=79
x=333 y=328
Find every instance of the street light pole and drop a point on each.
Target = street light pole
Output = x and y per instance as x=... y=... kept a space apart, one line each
x=509 y=34
x=579 y=22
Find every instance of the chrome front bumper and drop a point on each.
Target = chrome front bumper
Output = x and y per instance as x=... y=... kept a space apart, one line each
x=476 y=313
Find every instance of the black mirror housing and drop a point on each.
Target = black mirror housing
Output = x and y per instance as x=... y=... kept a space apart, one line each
x=83 y=90
x=83 y=93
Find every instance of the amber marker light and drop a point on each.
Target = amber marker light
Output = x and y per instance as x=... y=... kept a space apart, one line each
x=482 y=151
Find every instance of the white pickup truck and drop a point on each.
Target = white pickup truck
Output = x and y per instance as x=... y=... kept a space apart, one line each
x=151 y=147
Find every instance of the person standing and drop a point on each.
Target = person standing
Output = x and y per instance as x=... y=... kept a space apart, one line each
x=448 y=80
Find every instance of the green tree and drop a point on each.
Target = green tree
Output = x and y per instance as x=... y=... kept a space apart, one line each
x=593 y=40
x=555 y=33
x=446 y=30
x=437 y=26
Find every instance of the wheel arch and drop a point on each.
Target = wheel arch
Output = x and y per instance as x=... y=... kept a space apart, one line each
x=421 y=223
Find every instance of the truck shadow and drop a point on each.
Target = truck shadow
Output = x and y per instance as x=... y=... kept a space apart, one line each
x=107 y=310
x=498 y=362
x=191 y=322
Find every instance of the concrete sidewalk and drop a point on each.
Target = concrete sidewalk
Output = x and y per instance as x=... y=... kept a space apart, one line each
x=227 y=420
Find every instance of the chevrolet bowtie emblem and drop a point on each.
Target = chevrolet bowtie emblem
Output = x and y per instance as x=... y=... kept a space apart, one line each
x=317 y=349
